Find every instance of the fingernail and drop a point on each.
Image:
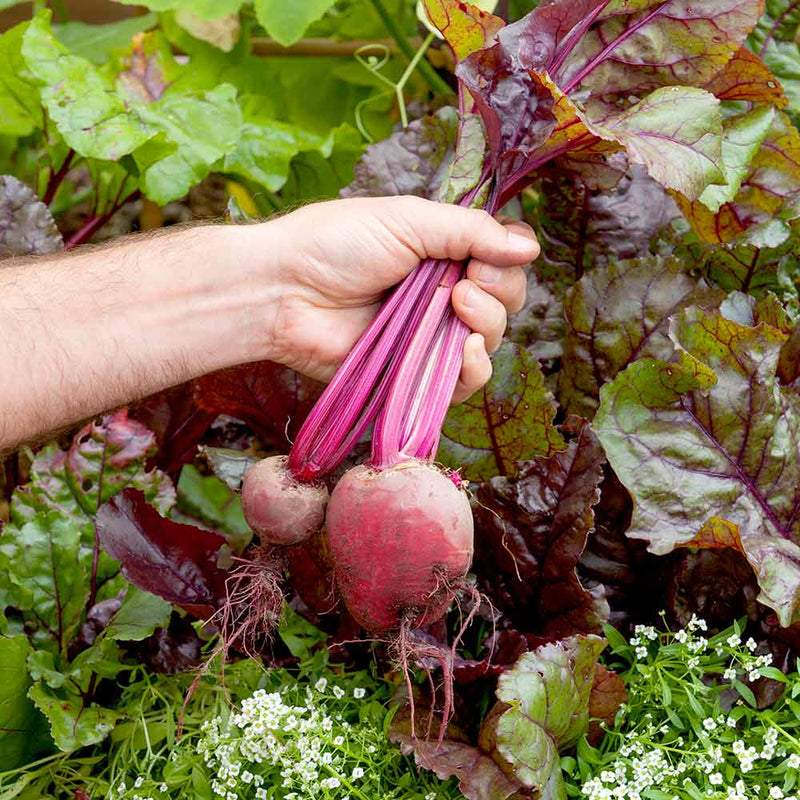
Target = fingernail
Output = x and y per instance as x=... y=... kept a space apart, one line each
x=489 y=274
x=523 y=245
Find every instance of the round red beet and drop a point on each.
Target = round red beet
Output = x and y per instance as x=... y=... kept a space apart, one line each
x=400 y=539
x=280 y=509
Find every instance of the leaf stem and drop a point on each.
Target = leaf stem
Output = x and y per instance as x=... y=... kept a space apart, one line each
x=435 y=81
x=83 y=234
x=57 y=178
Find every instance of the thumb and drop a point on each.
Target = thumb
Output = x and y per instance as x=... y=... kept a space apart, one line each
x=438 y=230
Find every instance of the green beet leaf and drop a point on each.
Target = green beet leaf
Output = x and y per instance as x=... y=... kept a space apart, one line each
x=197 y=129
x=20 y=722
x=81 y=101
x=618 y=314
x=548 y=693
x=707 y=446
x=510 y=420
x=207 y=9
x=97 y=42
x=20 y=108
x=71 y=724
x=765 y=165
x=287 y=22
x=138 y=616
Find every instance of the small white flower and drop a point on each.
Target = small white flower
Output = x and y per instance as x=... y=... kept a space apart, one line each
x=358 y=772
x=321 y=684
x=641 y=652
x=776 y=792
x=681 y=636
x=138 y=783
x=729 y=674
x=709 y=723
x=163 y=788
x=751 y=645
x=715 y=779
x=332 y=783
x=794 y=761
x=733 y=640
x=730 y=722
x=339 y=741
x=753 y=675
x=338 y=692
x=359 y=692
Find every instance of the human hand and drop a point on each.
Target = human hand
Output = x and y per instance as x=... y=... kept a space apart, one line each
x=338 y=259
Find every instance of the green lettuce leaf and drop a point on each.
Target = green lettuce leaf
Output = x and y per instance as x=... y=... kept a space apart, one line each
x=286 y=23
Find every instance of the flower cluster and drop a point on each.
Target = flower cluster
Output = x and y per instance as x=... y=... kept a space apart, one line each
x=320 y=739
x=683 y=734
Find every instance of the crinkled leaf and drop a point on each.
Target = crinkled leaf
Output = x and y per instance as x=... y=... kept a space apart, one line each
x=579 y=228
x=743 y=136
x=71 y=724
x=174 y=561
x=548 y=694
x=193 y=132
x=637 y=46
x=530 y=532
x=20 y=722
x=415 y=161
x=47 y=567
x=138 y=616
x=618 y=314
x=674 y=132
x=769 y=195
x=81 y=101
x=27 y=227
x=96 y=43
x=467 y=163
x=107 y=456
x=539 y=326
x=747 y=78
x=20 y=108
x=509 y=420
x=286 y=23
x=272 y=399
x=465 y=26
x=479 y=776
x=708 y=447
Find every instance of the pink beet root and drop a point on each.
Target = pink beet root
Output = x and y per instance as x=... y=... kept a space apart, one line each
x=400 y=539
x=280 y=509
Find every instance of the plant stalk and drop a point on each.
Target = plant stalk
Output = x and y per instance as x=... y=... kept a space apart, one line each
x=435 y=81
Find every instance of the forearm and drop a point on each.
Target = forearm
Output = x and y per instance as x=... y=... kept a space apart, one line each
x=104 y=327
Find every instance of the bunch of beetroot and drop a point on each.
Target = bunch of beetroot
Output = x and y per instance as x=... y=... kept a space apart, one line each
x=558 y=85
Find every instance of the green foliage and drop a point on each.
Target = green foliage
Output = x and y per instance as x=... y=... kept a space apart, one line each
x=690 y=725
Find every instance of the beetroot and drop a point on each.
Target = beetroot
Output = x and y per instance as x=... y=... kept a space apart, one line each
x=400 y=539
x=280 y=509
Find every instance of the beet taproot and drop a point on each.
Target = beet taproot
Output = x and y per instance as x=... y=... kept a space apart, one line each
x=401 y=539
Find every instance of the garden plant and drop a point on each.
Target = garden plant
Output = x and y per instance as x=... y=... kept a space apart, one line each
x=584 y=581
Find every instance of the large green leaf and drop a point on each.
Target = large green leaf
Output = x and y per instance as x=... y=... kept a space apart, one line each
x=20 y=722
x=616 y=315
x=208 y=9
x=47 y=564
x=96 y=42
x=267 y=145
x=676 y=134
x=80 y=99
x=138 y=616
x=193 y=132
x=548 y=694
x=287 y=22
x=766 y=167
x=71 y=724
x=20 y=109
x=508 y=421
x=707 y=444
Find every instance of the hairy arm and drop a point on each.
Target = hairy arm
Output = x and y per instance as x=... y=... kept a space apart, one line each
x=104 y=327
x=83 y=333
